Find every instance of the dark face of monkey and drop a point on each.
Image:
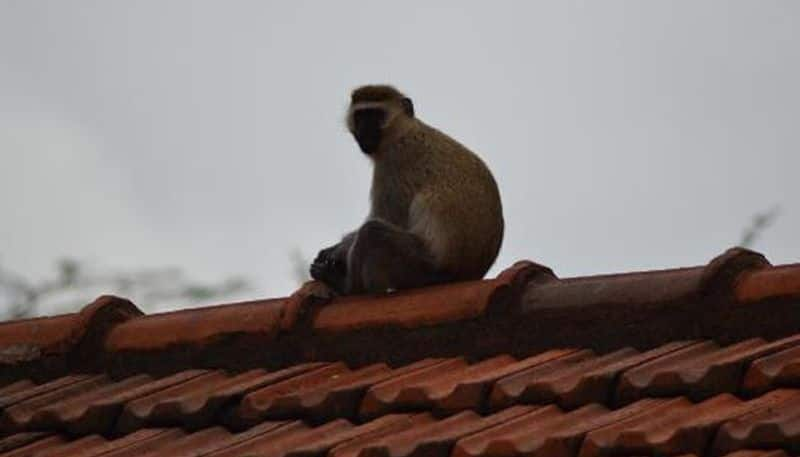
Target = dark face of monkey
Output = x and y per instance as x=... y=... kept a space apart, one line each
x=367 y=128
x=374 y=110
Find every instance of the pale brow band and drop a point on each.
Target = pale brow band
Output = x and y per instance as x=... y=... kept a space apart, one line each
x=375 y=94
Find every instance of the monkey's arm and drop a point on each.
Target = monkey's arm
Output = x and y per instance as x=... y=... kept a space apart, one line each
x=330 y=265
x=387 y=257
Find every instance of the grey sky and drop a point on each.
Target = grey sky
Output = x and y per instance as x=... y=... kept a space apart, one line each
x=208 y=135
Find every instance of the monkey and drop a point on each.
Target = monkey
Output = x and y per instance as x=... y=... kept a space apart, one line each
x=435 y=214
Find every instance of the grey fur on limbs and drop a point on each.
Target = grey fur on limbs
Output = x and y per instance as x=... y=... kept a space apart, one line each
x=376 y=258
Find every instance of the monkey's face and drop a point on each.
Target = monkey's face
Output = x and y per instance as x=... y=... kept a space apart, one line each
x=375 y=115
x=367 y=126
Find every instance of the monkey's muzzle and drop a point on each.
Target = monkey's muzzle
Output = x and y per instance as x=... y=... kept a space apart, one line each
x=368 y=126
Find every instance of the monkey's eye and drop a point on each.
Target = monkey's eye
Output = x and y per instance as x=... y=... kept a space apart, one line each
x=369 y=117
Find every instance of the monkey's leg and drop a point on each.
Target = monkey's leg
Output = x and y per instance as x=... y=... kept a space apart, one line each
x=330 y=265
x=385 y=257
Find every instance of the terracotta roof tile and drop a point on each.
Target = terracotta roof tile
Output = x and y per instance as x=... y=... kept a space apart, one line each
x=95 y=445
x=204 y=441
x=322 y=392
x=676 y=427
x=507 y=391
x=389 y=425
x=131 y=445
x=650 y=426
x=772 y=283
x=781 y=369
x=210 y=440
x=524 y=434
x=677 y=362
x=329 y=392
x=698 y=370
x=89 y=411
x=473 y=391
x=198 y=326
x=97 y=410
x=256 y=405
x=384 y=397
x=73 y=447
x=573 y=381
x=650 y=287
x=25 y=389
x=649 y=309
x=673 y=427
x=30 y=339
x=437 y=438
x=428 y=306
x=547 y=431
x=335 y=437
x=19 y=386
x=19 y=440
x=356 y=436
x=19 y=411
x=31 y=448
x=163 y=407
x=280 y=441
x=291 y=439
x=773 y=427
x=647 y=289
x=450 y=387
x=758 y=453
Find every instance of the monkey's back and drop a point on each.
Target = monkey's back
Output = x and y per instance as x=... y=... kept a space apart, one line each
x=440 y=190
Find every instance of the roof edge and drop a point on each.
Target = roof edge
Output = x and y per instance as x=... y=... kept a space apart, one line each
x=524 y=308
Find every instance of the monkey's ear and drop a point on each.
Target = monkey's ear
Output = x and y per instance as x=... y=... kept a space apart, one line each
x=408 y=106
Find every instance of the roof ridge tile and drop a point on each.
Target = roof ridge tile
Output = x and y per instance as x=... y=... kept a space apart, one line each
x=722 y=273
x=523 y=310
x=432 y=305
x=75 y=334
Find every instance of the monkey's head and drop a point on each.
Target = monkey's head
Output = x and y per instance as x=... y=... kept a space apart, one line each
x=377 y=113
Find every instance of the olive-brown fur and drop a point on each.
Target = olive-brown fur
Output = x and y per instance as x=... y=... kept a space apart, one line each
x=435 y=207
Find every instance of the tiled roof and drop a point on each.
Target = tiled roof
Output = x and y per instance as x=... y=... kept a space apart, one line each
x=701 y=361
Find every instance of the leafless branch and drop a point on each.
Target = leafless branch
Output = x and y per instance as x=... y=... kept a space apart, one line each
x=759 y=224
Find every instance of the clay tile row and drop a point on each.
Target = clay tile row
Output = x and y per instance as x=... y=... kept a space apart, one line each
x=312 y=306
x=758 y=453
x=113 y=325
x=647 y=427
x=781 y=369
x=524 y=310
x=719 y=278
x=715 y=427
x=699 y=370
x=197 y=402
x=678 y=426
x=29 y=339
x=276 y=438
x=320 y=392
x=573 y=378
x=772 y=427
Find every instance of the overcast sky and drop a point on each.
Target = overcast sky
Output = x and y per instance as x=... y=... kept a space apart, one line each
x=624 y=135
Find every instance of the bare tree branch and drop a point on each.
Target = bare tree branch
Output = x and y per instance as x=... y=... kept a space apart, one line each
x=759 y=224
x=74 y=285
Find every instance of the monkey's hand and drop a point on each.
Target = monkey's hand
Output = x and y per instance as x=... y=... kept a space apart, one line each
x=330 y=267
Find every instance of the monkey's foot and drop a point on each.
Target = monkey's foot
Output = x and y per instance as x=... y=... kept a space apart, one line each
x=328 y=270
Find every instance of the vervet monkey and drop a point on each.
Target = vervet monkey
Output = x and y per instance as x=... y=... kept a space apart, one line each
x=435 y=214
